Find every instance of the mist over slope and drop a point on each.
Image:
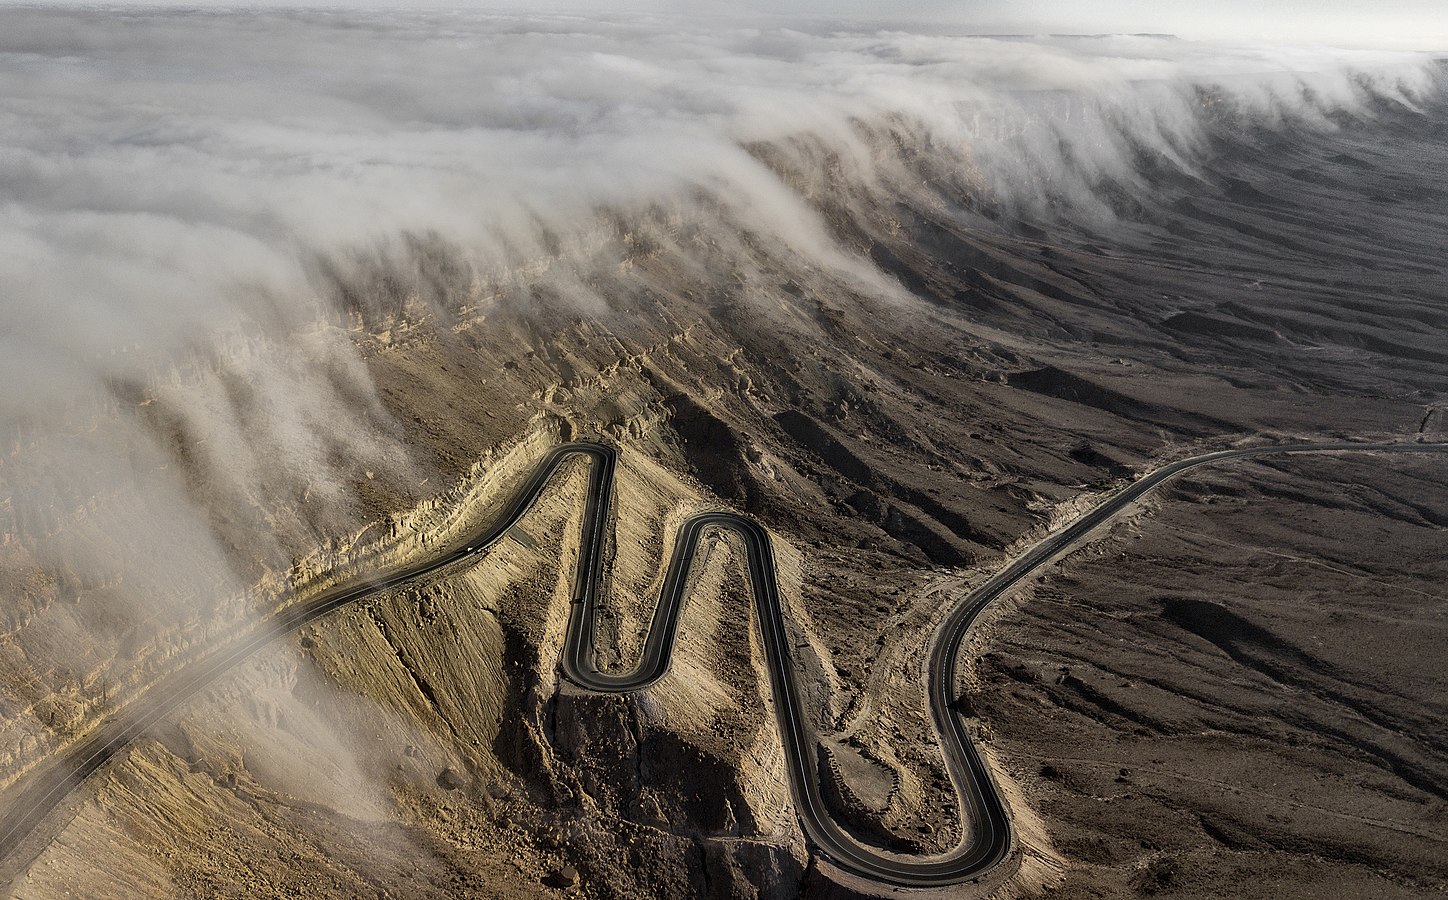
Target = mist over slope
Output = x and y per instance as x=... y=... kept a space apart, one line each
x=270 y=277
x=190 y=195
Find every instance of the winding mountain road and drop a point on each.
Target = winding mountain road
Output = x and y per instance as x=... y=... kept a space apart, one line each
x=986 y=835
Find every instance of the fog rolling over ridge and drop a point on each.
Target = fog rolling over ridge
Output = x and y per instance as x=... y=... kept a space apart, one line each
x=207 y=218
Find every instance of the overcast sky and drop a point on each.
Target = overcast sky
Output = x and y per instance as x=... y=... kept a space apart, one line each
x=1399 y=24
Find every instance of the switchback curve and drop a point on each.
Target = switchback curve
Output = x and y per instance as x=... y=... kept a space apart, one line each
x=986 y=837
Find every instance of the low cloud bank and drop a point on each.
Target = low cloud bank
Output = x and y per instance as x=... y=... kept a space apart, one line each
x=179 y=191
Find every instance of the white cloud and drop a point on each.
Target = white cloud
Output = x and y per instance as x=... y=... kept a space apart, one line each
x=168 y=179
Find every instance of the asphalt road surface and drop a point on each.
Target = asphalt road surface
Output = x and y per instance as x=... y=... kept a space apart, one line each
x=986 y=836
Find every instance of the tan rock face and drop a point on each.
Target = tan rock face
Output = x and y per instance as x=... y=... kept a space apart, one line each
x=897 y=443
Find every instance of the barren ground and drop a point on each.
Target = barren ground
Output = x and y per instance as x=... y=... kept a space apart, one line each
x=1238 y=694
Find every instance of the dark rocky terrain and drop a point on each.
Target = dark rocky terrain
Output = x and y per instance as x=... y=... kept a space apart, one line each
x=1240 y=693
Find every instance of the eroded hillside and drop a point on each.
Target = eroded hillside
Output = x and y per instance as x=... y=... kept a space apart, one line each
x=898 y=425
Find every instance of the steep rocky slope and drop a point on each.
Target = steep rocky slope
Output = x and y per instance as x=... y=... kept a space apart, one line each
x=897 y=432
